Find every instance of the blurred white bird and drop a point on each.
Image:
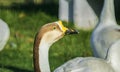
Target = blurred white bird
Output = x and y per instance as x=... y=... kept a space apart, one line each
x=84 y=16
x=4 y=34
x=79 y=12
x=106 y=32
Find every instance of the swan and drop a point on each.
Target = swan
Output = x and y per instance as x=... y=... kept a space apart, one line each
x=52 y=32
x=4 y=34
x=63 y=10
x=84 y=16
x=47 y=35
x=79 y=12
x=92 y=64
x=106 y=32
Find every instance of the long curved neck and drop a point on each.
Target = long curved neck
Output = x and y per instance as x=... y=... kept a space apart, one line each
x=43 y=57
x=40 y=55
x=108 y=13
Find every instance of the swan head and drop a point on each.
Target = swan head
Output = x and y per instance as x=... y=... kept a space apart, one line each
x=46 y=36
x=52 y=32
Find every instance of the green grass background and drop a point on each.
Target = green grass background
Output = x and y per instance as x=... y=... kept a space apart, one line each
x=17 y=56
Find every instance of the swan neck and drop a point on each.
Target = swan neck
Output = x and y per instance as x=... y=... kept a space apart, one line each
x=113 y=56
x=44 y=57
x=108 y=13
x=40 y=55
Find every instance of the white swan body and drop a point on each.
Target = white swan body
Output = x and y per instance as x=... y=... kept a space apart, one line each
x=88 y=64
x=4 y=34
x=106 y=32
x=91 y=64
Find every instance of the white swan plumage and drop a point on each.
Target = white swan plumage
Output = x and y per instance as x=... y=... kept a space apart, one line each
x=106 y=32
x=92 y=64
x=4 y=34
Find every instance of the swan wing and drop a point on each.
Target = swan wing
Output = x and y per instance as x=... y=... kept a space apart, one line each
x=73 y=66
x=88 y=64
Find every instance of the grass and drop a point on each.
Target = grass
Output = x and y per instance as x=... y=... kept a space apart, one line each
x=18 y=53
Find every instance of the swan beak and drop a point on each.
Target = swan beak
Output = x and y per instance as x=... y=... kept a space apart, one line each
x=71 y=31
x=66 y=30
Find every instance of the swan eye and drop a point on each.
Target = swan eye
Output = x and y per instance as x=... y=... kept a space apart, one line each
x=54 y=28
